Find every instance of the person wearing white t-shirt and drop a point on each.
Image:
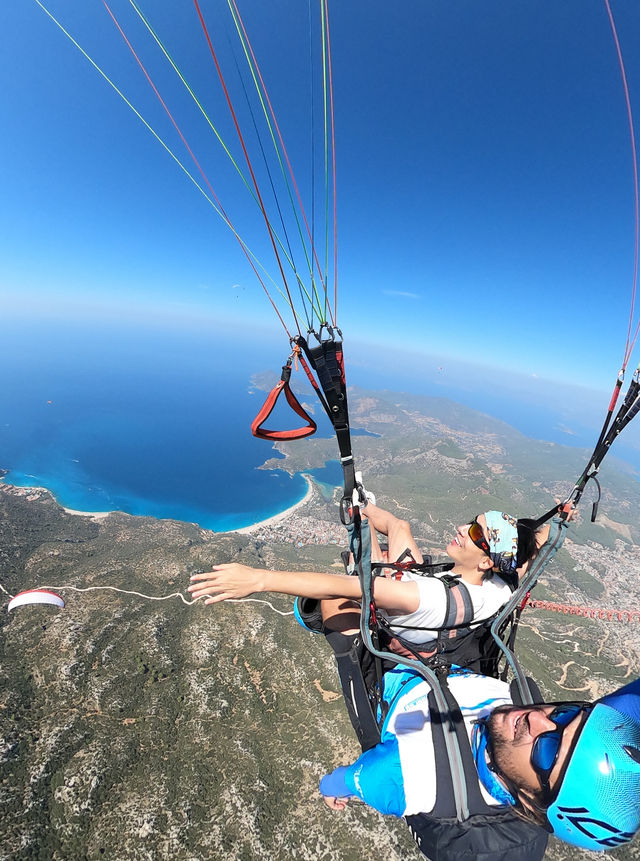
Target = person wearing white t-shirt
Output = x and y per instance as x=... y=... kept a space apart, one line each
x=485 y=552
x=491 y=545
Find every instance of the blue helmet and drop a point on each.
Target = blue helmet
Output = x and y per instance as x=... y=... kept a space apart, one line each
x=598 y=804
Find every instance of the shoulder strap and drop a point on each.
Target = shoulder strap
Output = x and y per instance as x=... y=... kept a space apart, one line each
x=459 y=610
x=452 y=721
x=459 y=606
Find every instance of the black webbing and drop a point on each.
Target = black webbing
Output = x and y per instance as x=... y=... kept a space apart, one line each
x=326 y=359
x=629 y=408
x=425 y=569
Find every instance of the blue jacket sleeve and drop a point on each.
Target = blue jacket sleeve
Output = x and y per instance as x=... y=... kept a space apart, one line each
x=376 y=778
x=334 y=786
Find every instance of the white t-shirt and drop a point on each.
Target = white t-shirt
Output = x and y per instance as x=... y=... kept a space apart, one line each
x=487 y=598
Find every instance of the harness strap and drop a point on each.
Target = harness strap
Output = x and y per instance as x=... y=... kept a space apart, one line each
x=361 y=549
x=453 y=721
x=459 y=608
x=360 y=696
x=459 y=614
x=314 y=383
x=327 y=360
x=268 y=406
x=425 y=569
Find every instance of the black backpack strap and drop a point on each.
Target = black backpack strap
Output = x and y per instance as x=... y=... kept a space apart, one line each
x=459 y=608
x=489 y=832
x=452 y=721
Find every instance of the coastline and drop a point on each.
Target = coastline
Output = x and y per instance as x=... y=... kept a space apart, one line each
x=283 y=515
x=101 y=515
x=29 y=490
x=97 y=515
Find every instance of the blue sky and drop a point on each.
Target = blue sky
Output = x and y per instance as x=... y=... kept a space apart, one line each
x=485 y=185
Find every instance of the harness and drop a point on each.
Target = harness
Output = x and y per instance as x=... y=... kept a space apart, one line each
x=487 y=648
x=489 y=832
x=456 y=641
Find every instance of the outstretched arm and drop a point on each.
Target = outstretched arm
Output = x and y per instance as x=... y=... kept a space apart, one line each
x=237 y=581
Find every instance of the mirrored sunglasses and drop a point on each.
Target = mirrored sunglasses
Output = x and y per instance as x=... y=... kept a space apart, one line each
x=546 y=747
x=476 y=534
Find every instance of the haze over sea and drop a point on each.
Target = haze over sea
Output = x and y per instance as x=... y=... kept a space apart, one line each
x=156 y=421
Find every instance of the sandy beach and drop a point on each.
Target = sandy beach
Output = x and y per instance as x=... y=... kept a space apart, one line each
x=29 y=491
x=97 y=515
x=245 y=530
x=278 y=518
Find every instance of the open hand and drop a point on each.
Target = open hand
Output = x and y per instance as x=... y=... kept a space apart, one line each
x=335 y=803
x=230 y=580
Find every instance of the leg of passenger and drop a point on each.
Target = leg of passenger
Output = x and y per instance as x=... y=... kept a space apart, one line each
x=340 y=614
x=355 y=667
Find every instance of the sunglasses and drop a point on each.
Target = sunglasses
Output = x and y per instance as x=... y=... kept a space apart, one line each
x=544 y=751
x=476 y=534
x=546 y=747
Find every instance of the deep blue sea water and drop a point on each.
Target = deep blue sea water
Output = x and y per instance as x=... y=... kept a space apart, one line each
x=156 y=425
x=157 y=422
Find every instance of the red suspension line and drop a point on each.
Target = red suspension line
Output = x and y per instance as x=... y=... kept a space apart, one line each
x=248 y=160
x=197 y=164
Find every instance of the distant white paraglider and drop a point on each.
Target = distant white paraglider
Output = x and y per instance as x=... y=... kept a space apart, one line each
x=35 y=596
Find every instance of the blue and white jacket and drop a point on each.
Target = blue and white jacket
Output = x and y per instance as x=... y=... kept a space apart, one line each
x=398 y=775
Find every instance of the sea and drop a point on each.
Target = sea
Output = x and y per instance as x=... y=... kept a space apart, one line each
x=156 y=420
x=147 y=421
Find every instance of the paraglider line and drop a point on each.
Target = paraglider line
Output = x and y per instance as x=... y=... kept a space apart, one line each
x=236 y=12
x=164 y=50
x=129 y=104
x=244 y=149
x=290 y=255
x=333 y=167
x=167 y=149
x=630 y=340
x=313 y=136
x=166 y=109
x=193 y=96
